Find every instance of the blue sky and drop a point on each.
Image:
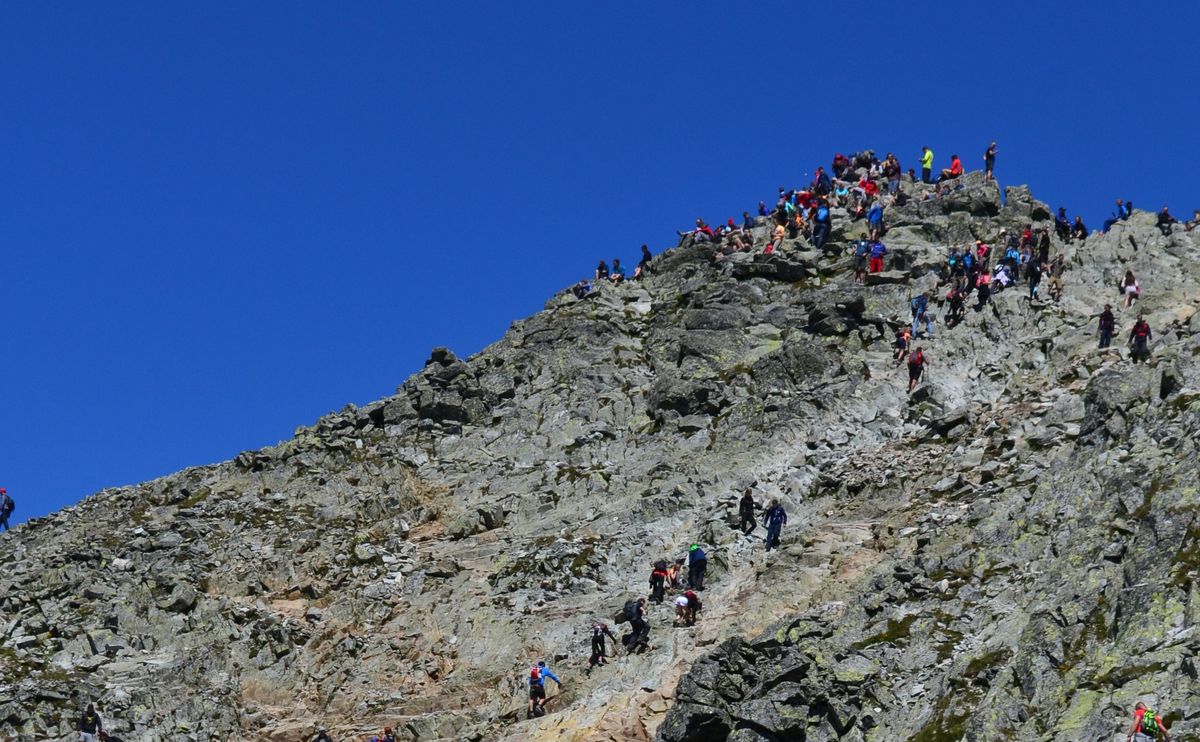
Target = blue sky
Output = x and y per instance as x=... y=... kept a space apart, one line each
x=221 y=221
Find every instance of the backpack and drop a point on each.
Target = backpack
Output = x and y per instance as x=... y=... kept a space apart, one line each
x=535 y=675
x=8 y=506
x=917 y=359
x=628 y=612
x=822 y=214
x=1148 y=727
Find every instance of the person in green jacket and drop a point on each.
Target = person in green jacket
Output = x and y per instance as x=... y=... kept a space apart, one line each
x=926 y=164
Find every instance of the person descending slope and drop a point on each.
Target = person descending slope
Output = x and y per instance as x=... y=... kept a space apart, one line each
x=697 y=566
x=639 y=629
x=658 y=581
x=903 y=340
x=746 y=512
x=599 y=650
x=1146 y=726
x=921 y=313
x=916 y=365
x=90 y=724
x=862 y=251
x=1140 y=337
x=1107 y=324
x=537 y=688
x=774 y=519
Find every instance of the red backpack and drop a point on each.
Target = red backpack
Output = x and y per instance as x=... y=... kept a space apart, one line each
x=917 y=359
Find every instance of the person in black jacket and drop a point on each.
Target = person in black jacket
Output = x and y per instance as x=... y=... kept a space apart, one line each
x=599 y=650
x=746 y=512
x=90 y=725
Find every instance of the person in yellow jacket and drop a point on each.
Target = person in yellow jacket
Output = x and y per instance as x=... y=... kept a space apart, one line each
x=926 y=164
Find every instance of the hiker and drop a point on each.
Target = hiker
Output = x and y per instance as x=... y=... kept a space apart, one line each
x=1140 y=337
x=1056 y=268
x=821 y=225
x=877 y=252
x=952 y=172
x=697 y=566
x=903 y=340
x=983 y=287
x=675 y=574
x=89 y=724
x=582 y=289
x=989 y=162
x=762 y=208
x=916 y=366
x=1107 y=323
x=1079 y=229
x=822 y=185
x=1062 y=225
x=773 y=519
x=643 y=264
x=891 y=171
x=1194 y=221
x=599 y=650
x=6 y=508
x=1130 y=289
x=658 y=581
x=1043 y=246
x=926 y=165
x=617 y=274
x=746 y=512
x=875 y=220
x=921 y=313
x=686 y=608
x=1164 y=222
x=982 y=253
x=1121 y=214
x=862 y=249
x=537 y=690
x=639 y=629
x=1146 y=726
x=322 y=736
x=390 y=736
x=602 y=272
x=957 y=306
x=1035 y=278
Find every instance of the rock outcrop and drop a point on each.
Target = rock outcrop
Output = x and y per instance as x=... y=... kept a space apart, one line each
x=1008 y=553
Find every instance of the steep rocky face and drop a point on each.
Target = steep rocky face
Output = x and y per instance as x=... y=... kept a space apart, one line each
x=1006 y=553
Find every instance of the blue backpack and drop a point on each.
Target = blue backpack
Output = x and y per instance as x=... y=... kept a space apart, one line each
x=822 y=214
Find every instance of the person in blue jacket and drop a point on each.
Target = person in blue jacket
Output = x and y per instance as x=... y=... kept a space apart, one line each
x=537 y=687
x=697 y=566
x=875 y=220
x=774 y=519
x=920 y=313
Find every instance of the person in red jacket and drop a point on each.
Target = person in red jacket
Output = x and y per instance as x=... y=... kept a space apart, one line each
x=955 y=169
x=1146 y=726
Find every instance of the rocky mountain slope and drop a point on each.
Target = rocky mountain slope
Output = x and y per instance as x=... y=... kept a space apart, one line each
x=1008 y=553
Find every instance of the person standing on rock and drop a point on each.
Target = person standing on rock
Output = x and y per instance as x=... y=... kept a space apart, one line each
x=658 y=581
x=537 y=688
x=1146 y=726
x=599 y=650
x=746 y=512
x=921 y=313
x=1107 y=324
x=1062 y=225
x=1140 y=336
x=639 y=628
x=697 y=566
x=862 y=251
x=1057 y=266
x=1034 y=272
x=926 y=165
x=774 y=519
x=916 y=366
x=903 y=340
x=877 y=252
x=6 y=508
x=989 y=162
x=90 y=725
x=821 y=224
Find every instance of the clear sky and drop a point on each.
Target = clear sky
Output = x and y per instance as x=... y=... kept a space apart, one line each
x=220 y=221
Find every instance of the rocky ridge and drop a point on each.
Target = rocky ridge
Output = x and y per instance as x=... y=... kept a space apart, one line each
x=1008 y=553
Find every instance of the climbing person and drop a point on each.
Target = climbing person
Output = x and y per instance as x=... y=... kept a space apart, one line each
x=658 y=581
x=537 y=689
x=1164 y=222
x=322 y=736
x=643 y=264
x=989 y=162
x=617 y=274
x=926 y=164
x=956 y=306
x=1062 y=225
x=1079 y=229
x=697 y=566
x=862 y=251
x=1107 y=323
x=675 y=574
x=952 y=172
x=875 y=219
x=877 y=252
x=6 y=508
x=1034 y=272
x=921 y=313
x=983 y=290
x=822 y=185
x=746 y=512
x=599 y=649
x=773 y=519
x=1140 y=337
x=601 y=272
x=903 y=340
x=639 y=628
x=1055 y=270
x=90 y=724
x=1130 y=289
x=916 y=366
x=1146 y=726
x=686 y=608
